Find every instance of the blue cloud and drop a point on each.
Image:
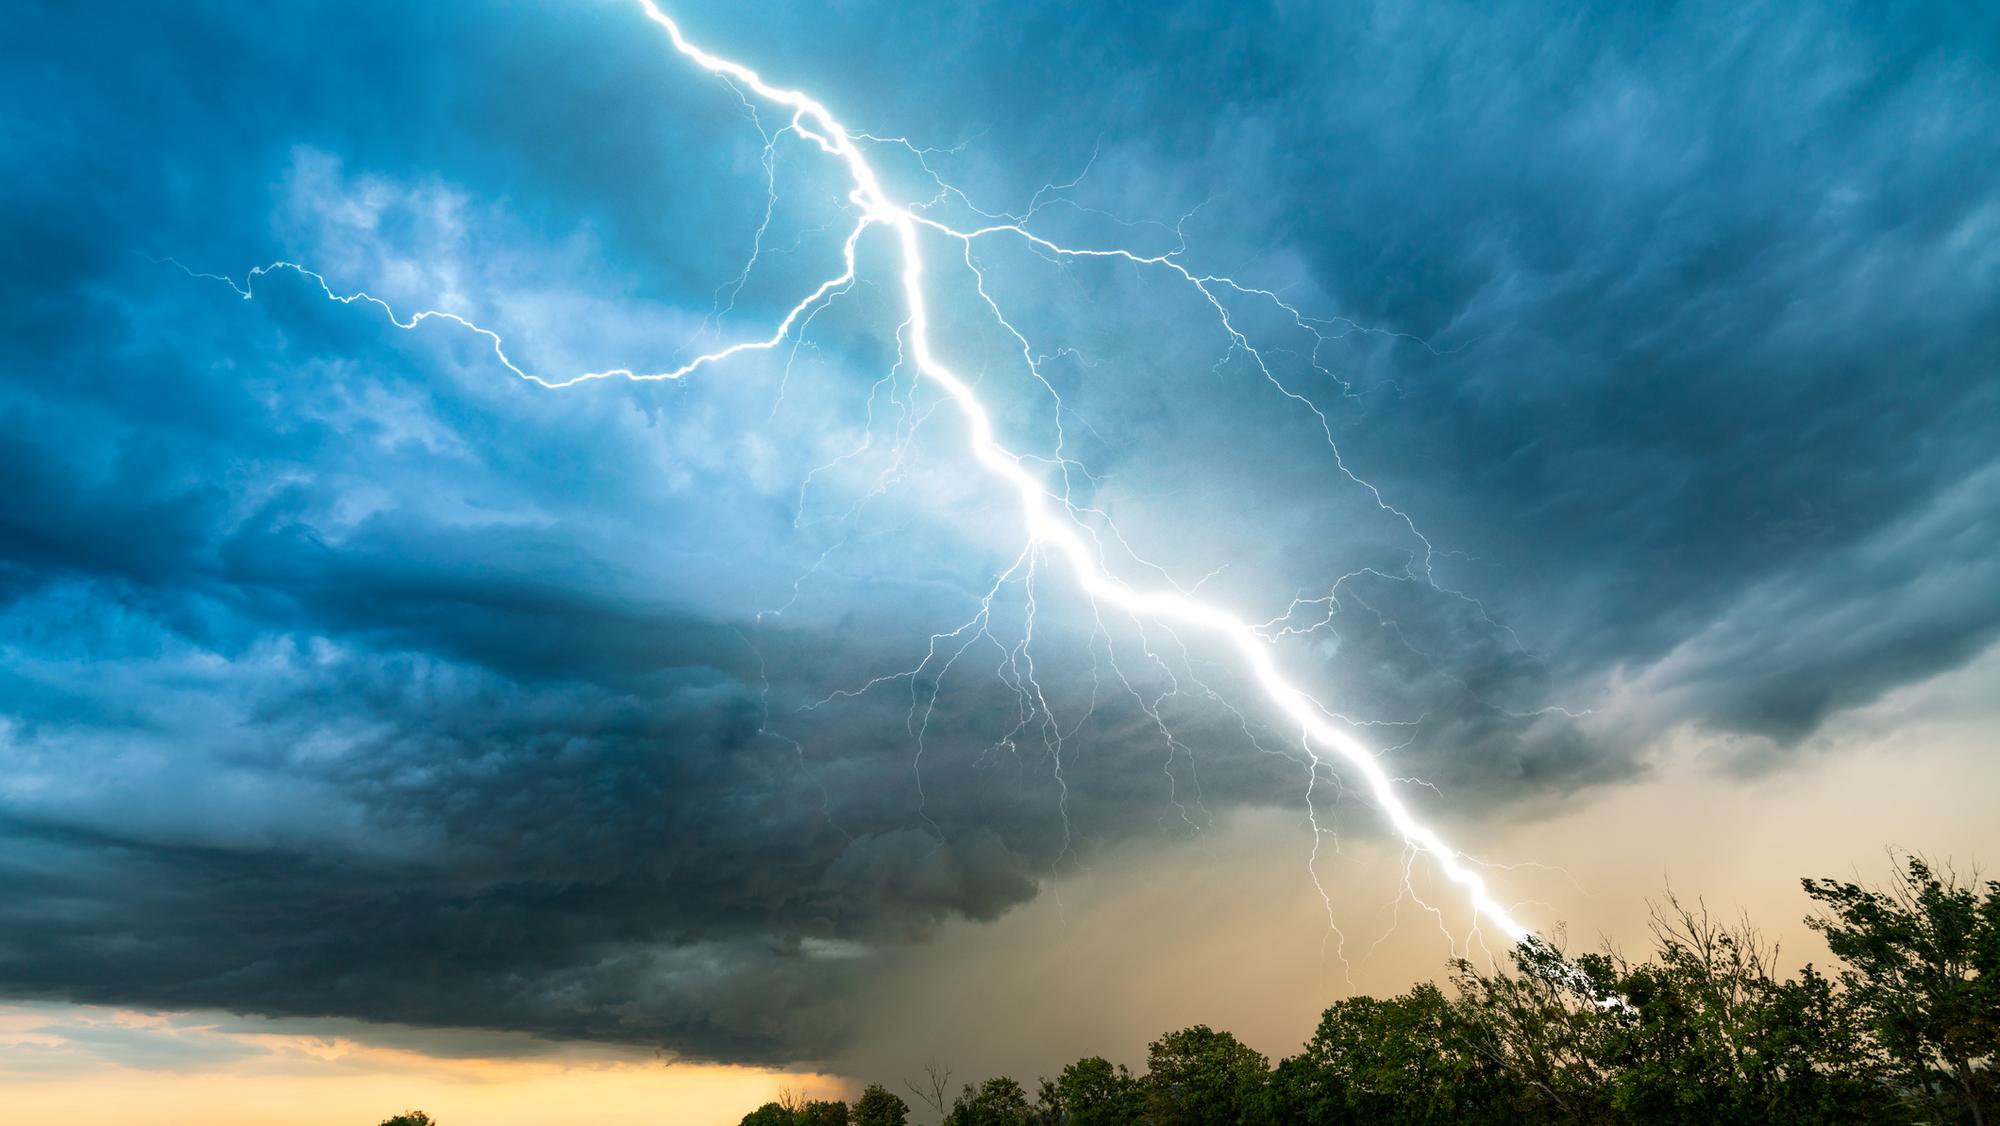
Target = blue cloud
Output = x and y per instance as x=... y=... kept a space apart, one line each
x=345 y=674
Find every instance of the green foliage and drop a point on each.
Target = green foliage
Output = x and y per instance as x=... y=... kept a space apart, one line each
x=1413 y=1058
x=1923 y=958
x=1703 y=1033
x=410 y=1118
x=1091 y=1092
x=1713 y=1036
x=996 y=1102
x=790 y=1110
x=878 y=1106
x=1199 y=1077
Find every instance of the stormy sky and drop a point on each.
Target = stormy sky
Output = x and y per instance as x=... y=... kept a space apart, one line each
x=1634 y=389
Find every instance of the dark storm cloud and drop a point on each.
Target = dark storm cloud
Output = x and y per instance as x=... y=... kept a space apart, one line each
x=1710 y=300
x=345 y=676
x=1724 y=294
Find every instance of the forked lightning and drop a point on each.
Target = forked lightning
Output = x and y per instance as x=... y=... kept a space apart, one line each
x=1051 y=522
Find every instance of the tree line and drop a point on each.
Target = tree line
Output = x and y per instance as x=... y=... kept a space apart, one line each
x=1905 y=1028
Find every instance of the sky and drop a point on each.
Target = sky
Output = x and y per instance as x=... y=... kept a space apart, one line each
x=1603 y=430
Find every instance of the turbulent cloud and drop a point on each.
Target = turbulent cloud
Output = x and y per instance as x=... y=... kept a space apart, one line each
x=347 y=676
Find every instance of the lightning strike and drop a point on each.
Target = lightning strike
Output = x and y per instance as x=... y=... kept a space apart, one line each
x=1055 y=525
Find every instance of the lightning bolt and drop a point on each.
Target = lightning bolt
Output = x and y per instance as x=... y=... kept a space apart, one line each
x=1055 y=525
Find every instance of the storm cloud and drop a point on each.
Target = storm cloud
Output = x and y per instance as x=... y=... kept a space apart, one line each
x=346 y=675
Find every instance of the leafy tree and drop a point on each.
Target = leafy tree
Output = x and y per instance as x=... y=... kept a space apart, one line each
x=793 y=1110
x=1049 y=1109
x=1712 y=1035
x=1413 y=1058
x=878 y=1106
x=1547 y=1023
x=1201 y=1077
x=1923 y=960
x=771 y=1114
x=1704 y=1032
x=1091 y=1092
x=410 y=1118
x=996 y=1102
x=1826 y=1068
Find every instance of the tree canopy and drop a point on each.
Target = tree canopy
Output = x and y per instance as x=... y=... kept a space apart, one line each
x=878 y=1106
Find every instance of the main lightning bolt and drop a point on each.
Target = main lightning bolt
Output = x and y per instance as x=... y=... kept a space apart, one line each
x=1052 y=522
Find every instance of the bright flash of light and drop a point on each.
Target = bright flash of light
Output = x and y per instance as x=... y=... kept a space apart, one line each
x=1051 y=520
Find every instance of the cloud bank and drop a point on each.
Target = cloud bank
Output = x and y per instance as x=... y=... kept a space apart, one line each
x=347 y=676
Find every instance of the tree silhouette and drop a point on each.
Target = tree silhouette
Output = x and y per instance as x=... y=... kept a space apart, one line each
x=878 y=1106
x=1090 y=1092
x=1923 y=957
x=1199 y=1075
x=996 y=1102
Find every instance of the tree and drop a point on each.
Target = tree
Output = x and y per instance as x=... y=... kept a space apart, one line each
x=1923 y=960
x=1409 y=1059
x=931 y=1089
x=1715 y=1036
x=771 y=1114
x=1703 y=1032
x=410 y=1118
x=996 y=1102
x=878 y=1106
x=1828 y=1068
x=1201 y=1077
x=1547 y=1023
x=793 y=1109
x=1091 y=1092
